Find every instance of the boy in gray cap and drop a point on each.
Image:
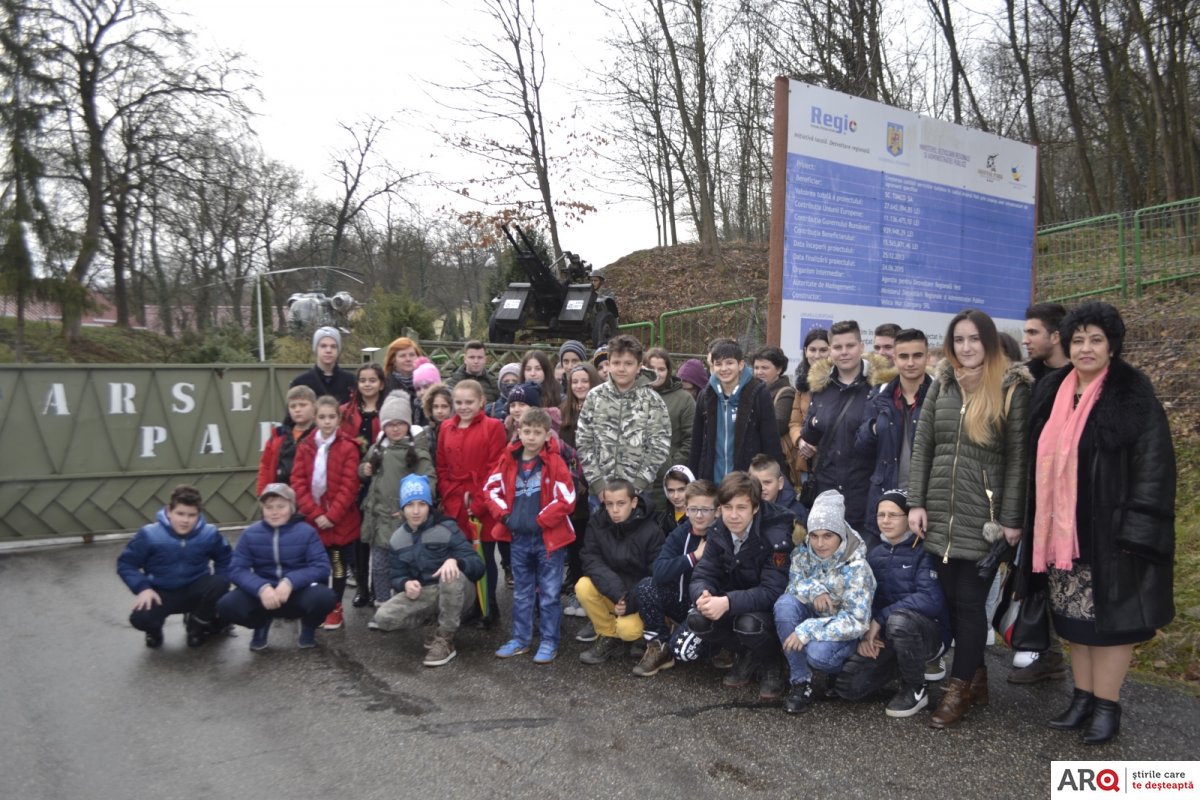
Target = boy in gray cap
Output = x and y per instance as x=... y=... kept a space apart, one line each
x=326 y=377
x=827 y=605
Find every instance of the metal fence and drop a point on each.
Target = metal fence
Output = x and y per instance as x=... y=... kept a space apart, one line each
x=689 y=330
x=1119 y=254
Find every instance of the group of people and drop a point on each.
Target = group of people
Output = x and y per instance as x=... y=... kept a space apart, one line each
x=829 y=537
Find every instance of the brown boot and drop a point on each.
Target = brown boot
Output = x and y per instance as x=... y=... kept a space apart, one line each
x=956 y=699
x=979 y=692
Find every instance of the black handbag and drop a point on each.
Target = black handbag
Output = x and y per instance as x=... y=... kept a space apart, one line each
x=1023 y=623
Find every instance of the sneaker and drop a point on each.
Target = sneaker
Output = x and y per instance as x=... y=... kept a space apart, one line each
x=545 y=653
x=442 y=651
x=1023 y=658
x=508 y=578
x=907 y=701
x=587 y=633
x=604 y=648
x=154 y=638
x=361 y=598
x=512 y=648
x=742 y=671
x=723 y=659
x=259 y=640
x=334 y=620
x=571 y=607
x=799 y=698
x=1047 y=666
x=935 y=670
x=372 y=625
x=308 y=636
x=351 y=579
x=654 y=660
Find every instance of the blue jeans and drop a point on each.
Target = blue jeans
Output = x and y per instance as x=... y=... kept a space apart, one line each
x=536 y=572
x=827 y=657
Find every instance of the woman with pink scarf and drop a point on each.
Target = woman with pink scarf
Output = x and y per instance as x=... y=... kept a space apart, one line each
x=1100 y=527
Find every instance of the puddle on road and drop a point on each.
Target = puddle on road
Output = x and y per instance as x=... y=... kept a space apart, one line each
x=382 y=696
x=695 y=711
x=448 y=730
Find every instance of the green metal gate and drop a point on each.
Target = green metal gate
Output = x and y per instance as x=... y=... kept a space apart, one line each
x=97 y=449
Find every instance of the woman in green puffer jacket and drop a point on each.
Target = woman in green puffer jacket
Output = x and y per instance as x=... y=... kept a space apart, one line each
x=971 y=442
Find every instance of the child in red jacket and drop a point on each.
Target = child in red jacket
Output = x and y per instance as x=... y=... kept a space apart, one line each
x=532 y=493
x=325 y=479
x=469 y=445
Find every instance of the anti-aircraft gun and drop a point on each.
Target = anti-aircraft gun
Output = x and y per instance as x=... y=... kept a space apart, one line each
x=567 y=307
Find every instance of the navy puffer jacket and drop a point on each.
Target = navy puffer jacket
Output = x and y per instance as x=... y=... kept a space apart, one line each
x=265 y=555
x=906 y=580
x=159 y=558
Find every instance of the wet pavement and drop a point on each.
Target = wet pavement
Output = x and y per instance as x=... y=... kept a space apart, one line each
x=89 y=712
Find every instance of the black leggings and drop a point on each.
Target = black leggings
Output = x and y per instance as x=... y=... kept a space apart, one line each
x=341 y=558
x=966 y=599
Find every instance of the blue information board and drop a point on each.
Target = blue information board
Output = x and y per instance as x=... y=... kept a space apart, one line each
x=892 y=217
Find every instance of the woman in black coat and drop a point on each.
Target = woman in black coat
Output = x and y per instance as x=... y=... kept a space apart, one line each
x=1110 y=586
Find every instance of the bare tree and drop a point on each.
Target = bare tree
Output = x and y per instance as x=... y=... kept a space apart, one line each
x=115 y=60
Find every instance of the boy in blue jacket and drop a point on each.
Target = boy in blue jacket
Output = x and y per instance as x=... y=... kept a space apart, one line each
x=664 y=594
x=909 y=624
x=167 y=566
x=433 y=570
x=279 y=569
x=827 y=606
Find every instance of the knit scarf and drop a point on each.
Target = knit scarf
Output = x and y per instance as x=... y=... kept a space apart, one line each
x=1055 y=539
x=321 y=465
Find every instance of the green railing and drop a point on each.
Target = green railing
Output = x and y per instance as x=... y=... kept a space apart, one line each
x=1082 y=259
x=1093 y=257
x=689 y=330
x=644 y=331
x=1166 y=243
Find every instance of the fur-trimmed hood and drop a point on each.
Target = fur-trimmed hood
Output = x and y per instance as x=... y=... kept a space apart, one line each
x=1016 y=373
x=1126 y=398
x=820 y=374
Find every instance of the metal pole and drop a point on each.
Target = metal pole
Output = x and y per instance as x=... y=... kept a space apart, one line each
x=262 y=348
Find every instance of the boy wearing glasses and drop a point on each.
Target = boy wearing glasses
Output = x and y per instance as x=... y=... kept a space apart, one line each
x=909 y=625
x=664 y=594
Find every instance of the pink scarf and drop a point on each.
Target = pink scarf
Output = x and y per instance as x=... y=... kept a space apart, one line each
x=1055 y=540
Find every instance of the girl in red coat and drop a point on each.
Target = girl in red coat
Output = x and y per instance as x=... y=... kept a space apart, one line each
x=325 y=479
x=469 y=444
x=360 y=422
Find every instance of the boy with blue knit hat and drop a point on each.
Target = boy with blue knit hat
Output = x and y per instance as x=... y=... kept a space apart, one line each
x=909 y=622
x=827 y=605
x=433 y=569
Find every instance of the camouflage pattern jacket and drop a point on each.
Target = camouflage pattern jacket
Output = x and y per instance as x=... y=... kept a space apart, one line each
x=623 y=434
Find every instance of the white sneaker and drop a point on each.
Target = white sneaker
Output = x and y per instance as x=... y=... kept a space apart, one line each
x=1023 y=658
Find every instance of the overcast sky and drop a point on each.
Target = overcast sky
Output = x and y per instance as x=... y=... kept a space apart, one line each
x=320 y=63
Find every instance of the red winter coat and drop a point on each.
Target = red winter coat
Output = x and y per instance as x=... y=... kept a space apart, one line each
x=557 y=495
x=268 y=462
x=341 y=489
x=465 y=457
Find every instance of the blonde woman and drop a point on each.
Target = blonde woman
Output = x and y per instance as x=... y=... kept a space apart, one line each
x=968 y=469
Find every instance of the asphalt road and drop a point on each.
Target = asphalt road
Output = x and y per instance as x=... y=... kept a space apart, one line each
x=89 y=713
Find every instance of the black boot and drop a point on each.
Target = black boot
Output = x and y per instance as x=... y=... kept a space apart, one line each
x=1105 y=724
x=771 y=683
x=1076 y=714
